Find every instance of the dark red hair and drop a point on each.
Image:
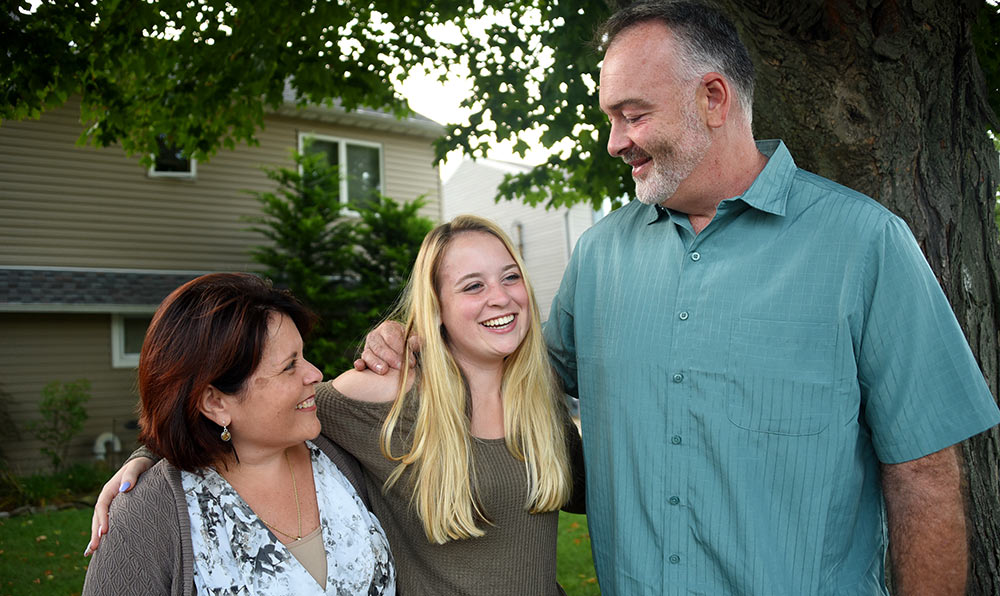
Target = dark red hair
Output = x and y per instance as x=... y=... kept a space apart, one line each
x=209 y=331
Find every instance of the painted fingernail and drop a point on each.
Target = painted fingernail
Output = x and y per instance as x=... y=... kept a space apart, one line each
x=378 y=367
x=87 y=552
x=124 y=487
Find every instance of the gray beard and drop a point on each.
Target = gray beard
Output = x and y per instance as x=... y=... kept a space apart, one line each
x=662 y=183
x=672 y=165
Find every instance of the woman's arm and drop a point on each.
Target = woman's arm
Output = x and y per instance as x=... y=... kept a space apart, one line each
x=370 y=387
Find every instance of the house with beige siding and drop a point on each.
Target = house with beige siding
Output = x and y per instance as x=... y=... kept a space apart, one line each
x=91 y=241
x=545 y=238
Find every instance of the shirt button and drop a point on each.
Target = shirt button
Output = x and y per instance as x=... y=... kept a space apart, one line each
x=683 y=316
x=675 y=559
x=678 y=378
x=695 y=256
x=676 y=439
x=675 y=500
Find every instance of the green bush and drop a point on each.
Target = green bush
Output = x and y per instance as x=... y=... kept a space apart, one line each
x=349 y=269
x=67 y=486
x=63 y=414
x=7 y=422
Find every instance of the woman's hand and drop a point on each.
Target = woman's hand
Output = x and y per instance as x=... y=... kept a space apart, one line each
x=123 y=481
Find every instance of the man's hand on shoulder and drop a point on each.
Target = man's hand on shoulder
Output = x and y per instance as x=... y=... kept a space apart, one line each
x=384 y=349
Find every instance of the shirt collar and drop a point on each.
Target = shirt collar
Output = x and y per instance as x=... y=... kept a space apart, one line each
x=769 y=191
x=657 y=213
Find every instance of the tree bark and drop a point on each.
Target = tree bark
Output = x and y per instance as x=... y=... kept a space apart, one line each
x=887 y=97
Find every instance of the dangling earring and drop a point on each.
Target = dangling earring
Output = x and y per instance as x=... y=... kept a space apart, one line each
x=225 y=436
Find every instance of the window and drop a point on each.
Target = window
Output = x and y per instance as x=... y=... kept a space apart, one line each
x=359 y=164
x=127 y=334
x=170 y=162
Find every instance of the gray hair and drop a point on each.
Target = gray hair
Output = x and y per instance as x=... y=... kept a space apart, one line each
x=708 y=41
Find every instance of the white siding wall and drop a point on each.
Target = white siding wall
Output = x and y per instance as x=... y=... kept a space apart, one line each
x=40 y=348
x=64 y=205
x=547 y=236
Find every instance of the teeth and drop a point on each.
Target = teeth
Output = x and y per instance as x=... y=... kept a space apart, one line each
x=499 y=321
x=306 y=404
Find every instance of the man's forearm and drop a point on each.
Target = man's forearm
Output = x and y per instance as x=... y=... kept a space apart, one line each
x=926 y=514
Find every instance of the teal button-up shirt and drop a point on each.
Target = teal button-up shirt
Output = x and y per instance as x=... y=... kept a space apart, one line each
x=738 y=388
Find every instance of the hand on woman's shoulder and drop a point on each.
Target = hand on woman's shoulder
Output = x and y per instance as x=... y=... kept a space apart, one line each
x=368 y=386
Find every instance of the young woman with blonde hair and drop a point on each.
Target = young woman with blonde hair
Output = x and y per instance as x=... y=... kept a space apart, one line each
x=470 y=452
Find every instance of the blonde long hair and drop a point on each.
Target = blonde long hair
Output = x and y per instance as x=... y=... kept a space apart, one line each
x=440 y=452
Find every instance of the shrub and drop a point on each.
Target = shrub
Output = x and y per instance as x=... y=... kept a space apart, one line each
x=63 y=415
x=68 y=486
x=7 y=423
x=349 y=269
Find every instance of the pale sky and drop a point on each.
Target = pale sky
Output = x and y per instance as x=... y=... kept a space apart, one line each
x=441 y=102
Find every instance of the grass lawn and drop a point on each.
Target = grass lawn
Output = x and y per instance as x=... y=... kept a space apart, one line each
x=576 y=565
x=42 y=554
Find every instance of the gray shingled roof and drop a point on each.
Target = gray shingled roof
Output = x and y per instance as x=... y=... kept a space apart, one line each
x=49 y=286
x=414 y=124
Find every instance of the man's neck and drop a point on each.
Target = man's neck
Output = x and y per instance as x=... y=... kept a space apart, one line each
x=723 y=174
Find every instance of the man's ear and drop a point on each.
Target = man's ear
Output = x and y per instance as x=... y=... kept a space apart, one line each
x=214 y=405
x=715 y=97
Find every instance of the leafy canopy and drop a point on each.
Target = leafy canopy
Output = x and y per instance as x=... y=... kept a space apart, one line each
x=204 y=72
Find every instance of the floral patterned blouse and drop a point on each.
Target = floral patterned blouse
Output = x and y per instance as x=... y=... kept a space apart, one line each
x=235 y=553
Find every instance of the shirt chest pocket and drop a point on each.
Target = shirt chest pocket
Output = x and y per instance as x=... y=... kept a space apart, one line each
x=780 y=376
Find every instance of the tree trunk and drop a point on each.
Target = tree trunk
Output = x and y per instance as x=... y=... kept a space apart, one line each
x=887 y=97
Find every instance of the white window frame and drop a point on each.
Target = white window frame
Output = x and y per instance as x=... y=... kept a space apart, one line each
x=342 y=143
x=189 y=175
x=119 y=357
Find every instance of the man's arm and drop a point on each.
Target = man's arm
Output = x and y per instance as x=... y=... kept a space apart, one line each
x=927 y=540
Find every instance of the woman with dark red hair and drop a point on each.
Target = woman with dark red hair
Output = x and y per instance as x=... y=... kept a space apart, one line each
x=248 y=498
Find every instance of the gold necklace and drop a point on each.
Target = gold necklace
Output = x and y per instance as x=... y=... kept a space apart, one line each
x=298 y=510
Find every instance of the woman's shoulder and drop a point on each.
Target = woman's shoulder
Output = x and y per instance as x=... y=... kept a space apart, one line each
x=155 y=491
x=368 y=386
x=149 y=509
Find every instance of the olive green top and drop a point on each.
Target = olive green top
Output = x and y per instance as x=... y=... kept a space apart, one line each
x=517 y=555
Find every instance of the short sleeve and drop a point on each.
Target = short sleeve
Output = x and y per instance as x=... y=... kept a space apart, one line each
x=922 y=389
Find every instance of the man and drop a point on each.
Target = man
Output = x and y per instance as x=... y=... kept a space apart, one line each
x=762 y=356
